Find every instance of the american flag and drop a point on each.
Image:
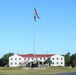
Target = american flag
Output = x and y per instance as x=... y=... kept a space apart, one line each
x=35 y=12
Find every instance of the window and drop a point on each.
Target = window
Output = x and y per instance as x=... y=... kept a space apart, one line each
x=19 y=58
x=15 y=63
x=61 y=58
x=32 y=58
x=11 y=63
x=19 y=63
x=52 y=62
x=44 y=58
x=11 y=58
x=24 y=58
x=28 y=58
x=57 y=63
x=15 y=58
x=57 y=58
x=36 y=58
x=52 y=58
x=61 y=62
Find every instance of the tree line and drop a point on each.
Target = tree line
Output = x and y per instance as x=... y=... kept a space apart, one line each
x=70 y=60
x=4 y=61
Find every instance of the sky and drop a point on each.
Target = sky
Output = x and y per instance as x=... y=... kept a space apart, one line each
x=55 y=32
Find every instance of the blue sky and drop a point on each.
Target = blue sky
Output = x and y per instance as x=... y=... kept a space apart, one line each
x=55 y=32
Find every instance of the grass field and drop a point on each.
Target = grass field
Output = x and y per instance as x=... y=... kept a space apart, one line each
x=48 y=70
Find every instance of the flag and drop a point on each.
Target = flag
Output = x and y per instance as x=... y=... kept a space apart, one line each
x=35 y=12
x=34 y=18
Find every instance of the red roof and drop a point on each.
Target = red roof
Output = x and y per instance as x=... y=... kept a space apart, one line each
x=36 y=55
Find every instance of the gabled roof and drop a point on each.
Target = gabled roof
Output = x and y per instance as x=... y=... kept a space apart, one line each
x=15 y=55
x=36 y=55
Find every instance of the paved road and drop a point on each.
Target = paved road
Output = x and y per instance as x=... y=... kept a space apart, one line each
x=71 y=73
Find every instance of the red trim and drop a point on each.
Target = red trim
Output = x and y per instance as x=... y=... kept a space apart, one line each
x=36 y=55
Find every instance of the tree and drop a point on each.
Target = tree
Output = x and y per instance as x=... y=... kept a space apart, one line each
x=5 y=58
x=2 y=63
x=48 y=61
x=73 y=60
x=67 y=59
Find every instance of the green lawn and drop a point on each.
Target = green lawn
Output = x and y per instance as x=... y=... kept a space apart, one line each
x=48 y=70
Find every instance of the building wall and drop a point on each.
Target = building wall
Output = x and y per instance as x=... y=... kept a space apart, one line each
x=32 y=59
x=16 y=60
x=57 y=60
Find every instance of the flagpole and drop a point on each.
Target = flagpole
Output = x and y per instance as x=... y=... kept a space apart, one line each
x=34 y=39
x=35 y=15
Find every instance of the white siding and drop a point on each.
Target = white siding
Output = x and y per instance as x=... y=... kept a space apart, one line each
x=15 y=61
x=57 y=60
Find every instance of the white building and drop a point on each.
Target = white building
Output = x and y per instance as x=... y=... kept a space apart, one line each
x=24 y=59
